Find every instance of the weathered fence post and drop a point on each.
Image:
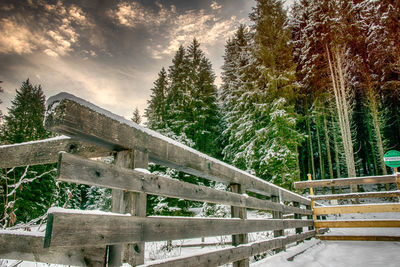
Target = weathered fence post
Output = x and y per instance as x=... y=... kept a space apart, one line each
x=309 y=217
x=314 y=217
x=237 y=212
x=277 y=215
x=129 y=202
x=298 y=216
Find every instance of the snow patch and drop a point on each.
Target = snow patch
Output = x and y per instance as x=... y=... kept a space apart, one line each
x=57 y=138
x=22 y=232
x=87 y=212
x=142 y=170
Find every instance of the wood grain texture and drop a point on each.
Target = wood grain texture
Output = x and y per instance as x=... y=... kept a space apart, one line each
x=74 y=229
x=278 y=232
x=46 y=151
x=83 y=171
x=224 y=256
x=358 y=238
x=30 y=248
x=129 y=202
x=237 y=212
x=346 y=181
x=357 y=195
x=299 y=217
x=357 y=223
x=73 y=119
x=364 y=208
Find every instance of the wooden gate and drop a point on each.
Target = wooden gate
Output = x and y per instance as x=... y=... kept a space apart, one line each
x=371 y=207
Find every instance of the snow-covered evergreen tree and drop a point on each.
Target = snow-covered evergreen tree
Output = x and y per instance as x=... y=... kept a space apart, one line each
x=183 y=106
x=156 y=106
x=29 y=190
x=257 y=98
x=202 y=123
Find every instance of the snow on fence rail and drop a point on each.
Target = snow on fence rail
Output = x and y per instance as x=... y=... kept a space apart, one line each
x=84 y=238
x=355 y=208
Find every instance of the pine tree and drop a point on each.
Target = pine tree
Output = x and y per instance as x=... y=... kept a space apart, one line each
x=202 y=120
x=258 y=98
x=183 y=106
x=382 y=36
x=136 y=116
x=177 y=94
x=235 y=82
x=156 y=107
x=24 y=121
x=30 y=189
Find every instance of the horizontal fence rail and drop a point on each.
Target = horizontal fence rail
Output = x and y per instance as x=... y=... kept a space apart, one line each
x=82 y=120
x=357 y=195
x=358 y=224
x=83 y=171
x=66 y=229
x=346 y=181
x=46 y=151
x=28 y=247
x=226 y=255
x=359 y=238
x=364 y=208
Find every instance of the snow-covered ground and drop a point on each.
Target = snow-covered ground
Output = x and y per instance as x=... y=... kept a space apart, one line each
x=339 y=254
x=345 y=253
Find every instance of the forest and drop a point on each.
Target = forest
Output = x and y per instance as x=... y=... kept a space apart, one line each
x=313 y=89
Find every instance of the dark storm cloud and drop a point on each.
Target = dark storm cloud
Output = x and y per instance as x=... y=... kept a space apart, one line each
x=108 y=52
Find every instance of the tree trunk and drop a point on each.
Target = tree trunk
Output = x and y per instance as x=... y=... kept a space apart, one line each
x=310 y=144
x=328 y=148
x=337 y=158
x=337 y=72
x=321 y=158
x=373 y=107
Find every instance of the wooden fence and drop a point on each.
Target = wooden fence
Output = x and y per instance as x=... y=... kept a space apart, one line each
x=355 y=208
x=76 y=237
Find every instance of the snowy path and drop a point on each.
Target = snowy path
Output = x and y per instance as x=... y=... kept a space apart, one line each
x=340 y=253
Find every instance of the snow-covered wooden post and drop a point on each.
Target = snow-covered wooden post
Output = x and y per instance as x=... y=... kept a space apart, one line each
x=129 y=202
x=237 y=212
x=277 y=215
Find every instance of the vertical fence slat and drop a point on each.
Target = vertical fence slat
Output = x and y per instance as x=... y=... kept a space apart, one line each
x=129 y=202
x=277 y=215
x=237 y=212
x=298 y=216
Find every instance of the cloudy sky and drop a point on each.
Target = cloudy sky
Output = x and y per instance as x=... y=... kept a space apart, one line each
x=108 y=52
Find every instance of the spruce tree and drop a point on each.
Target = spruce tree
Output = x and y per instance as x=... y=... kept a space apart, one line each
x=202 y=117
x=258 y=95
x=177 y=94
x=30 y=189
x=24 y=121
x=183 y=106
x=136 y=116
x=156 y=107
